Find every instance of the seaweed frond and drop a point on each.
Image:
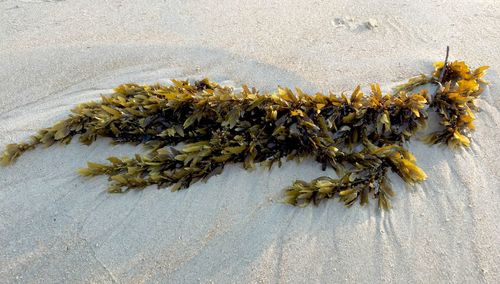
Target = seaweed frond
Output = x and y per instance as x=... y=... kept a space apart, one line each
x=454 y=101
x=360 y=136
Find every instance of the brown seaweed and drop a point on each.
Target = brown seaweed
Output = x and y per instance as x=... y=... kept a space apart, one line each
x=360 y=136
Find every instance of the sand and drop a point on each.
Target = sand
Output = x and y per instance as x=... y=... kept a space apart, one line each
x=56 y=226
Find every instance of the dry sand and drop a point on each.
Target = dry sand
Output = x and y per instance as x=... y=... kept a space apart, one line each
x=58 y=227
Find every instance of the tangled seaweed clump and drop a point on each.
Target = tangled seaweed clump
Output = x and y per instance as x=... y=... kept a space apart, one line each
x=360 y=136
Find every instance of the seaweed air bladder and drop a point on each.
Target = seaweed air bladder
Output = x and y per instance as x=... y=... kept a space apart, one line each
x=361 y=136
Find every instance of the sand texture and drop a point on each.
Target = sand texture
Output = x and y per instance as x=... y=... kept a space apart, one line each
x=56 y=226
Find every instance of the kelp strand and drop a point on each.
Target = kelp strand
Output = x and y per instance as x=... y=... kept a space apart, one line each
x=360 y=136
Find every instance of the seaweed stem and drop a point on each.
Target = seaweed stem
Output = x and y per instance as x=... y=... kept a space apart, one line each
x=441 y=76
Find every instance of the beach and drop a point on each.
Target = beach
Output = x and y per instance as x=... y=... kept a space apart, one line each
x=57 y=226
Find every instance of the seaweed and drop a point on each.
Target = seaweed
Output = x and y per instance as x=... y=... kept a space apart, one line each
x=454 y=102
x=360 y=136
